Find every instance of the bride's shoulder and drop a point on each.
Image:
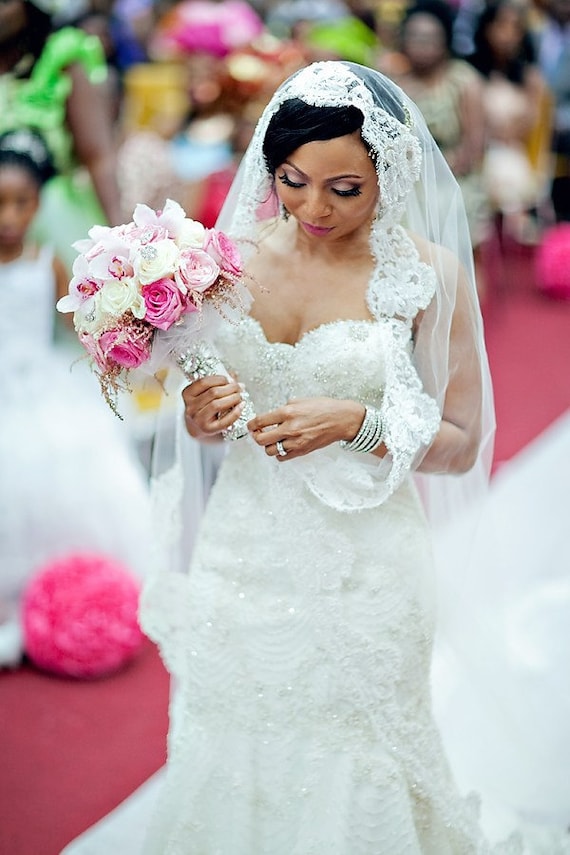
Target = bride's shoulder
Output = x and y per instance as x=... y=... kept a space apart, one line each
x=434 y=254
x=271 y=252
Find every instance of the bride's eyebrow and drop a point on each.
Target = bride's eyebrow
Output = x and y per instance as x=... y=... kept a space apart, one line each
x=343 y=177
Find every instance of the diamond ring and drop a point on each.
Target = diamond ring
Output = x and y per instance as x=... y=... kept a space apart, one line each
x=280 y=450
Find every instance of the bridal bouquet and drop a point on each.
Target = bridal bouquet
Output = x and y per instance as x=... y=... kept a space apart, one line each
x=150 y=278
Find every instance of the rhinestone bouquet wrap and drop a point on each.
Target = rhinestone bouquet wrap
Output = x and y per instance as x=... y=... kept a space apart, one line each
x=199 y=360
x=146 y=287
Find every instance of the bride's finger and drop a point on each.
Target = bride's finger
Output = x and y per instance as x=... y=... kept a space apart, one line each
x=266 y=421
x=210 y=411
x=226 y=419
x=267 y=436
x=198 y=387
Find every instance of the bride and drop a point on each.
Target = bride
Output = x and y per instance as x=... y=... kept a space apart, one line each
x=300 y=634
x=301 y=644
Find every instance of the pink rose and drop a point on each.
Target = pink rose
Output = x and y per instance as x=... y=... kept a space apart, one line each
x=164 y=303
x=224 y=251
x=196 y=271
x=128 y=347
x=92 y=347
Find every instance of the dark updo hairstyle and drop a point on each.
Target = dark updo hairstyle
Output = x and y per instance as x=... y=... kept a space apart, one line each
x=297 y=123
x=26 y=149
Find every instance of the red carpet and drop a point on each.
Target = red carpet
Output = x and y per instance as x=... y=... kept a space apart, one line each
x=71 y=751
x=528 y=340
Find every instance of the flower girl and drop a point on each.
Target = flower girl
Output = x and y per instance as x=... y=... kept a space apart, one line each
x=71 y=481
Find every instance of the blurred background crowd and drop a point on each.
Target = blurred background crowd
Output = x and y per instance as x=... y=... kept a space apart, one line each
x=141 y=100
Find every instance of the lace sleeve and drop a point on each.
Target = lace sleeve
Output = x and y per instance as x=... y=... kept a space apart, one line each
x=352 y=481
x=410 y=417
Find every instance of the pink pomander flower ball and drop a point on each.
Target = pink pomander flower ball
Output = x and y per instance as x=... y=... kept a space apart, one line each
x=553 y=262
x=80 y=616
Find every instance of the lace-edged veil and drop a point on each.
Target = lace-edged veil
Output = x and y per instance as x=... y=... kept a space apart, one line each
x=418 y=195
x=418 y=192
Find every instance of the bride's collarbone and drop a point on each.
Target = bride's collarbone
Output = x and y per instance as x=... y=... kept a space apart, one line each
x=288 y=313
x=292 y=299
x=307 y=285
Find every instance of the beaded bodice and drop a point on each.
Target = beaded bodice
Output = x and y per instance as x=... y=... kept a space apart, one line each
x=369 y=361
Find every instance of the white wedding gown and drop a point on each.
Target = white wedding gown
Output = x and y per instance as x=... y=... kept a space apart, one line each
x=302 y=717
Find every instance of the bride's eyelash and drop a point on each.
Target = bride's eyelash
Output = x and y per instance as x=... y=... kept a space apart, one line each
x=354 y=191
x=287 y=181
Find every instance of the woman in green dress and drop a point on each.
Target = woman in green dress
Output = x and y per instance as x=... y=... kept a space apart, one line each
x=53 y=80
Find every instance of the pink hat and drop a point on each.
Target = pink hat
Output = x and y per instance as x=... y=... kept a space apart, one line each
x=208 y=27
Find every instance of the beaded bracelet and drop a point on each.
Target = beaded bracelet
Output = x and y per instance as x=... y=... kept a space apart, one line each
x=370 y=433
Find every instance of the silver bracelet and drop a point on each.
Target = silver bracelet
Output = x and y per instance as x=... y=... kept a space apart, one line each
x=370 y=434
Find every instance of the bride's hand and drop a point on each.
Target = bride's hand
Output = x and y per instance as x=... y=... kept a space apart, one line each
x=305 y=424
x=211 y=404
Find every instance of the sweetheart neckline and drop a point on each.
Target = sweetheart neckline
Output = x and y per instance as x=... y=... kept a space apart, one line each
x=309 y=332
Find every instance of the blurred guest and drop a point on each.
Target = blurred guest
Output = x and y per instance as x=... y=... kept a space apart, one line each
x=213 y=27
x=553 y=41
x=131 y=23
x=449 y=93
x=515 y=101
x=53 y=80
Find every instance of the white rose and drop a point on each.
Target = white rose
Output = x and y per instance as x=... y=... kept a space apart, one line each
x=191 y=235
x=88 y=317
x=118 y=296
x=155 y=260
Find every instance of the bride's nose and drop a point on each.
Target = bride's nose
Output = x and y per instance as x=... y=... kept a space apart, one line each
x=317 y=204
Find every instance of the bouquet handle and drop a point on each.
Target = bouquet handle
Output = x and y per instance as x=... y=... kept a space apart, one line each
x=200 y=360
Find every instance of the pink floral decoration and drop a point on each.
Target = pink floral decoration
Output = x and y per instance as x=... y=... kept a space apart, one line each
x=80 y=616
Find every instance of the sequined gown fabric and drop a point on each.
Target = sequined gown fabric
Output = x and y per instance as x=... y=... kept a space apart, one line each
x=301 y=720
x=69 y=477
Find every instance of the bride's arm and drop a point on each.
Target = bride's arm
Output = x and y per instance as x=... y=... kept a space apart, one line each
x=456 y=444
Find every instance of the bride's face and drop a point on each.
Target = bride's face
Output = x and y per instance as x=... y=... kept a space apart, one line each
x=330 y=187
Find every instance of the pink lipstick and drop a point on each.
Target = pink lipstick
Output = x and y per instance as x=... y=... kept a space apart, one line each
x=317 y=231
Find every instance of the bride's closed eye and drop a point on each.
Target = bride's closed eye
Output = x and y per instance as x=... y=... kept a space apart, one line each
x=287 y=181
x=352 y=191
